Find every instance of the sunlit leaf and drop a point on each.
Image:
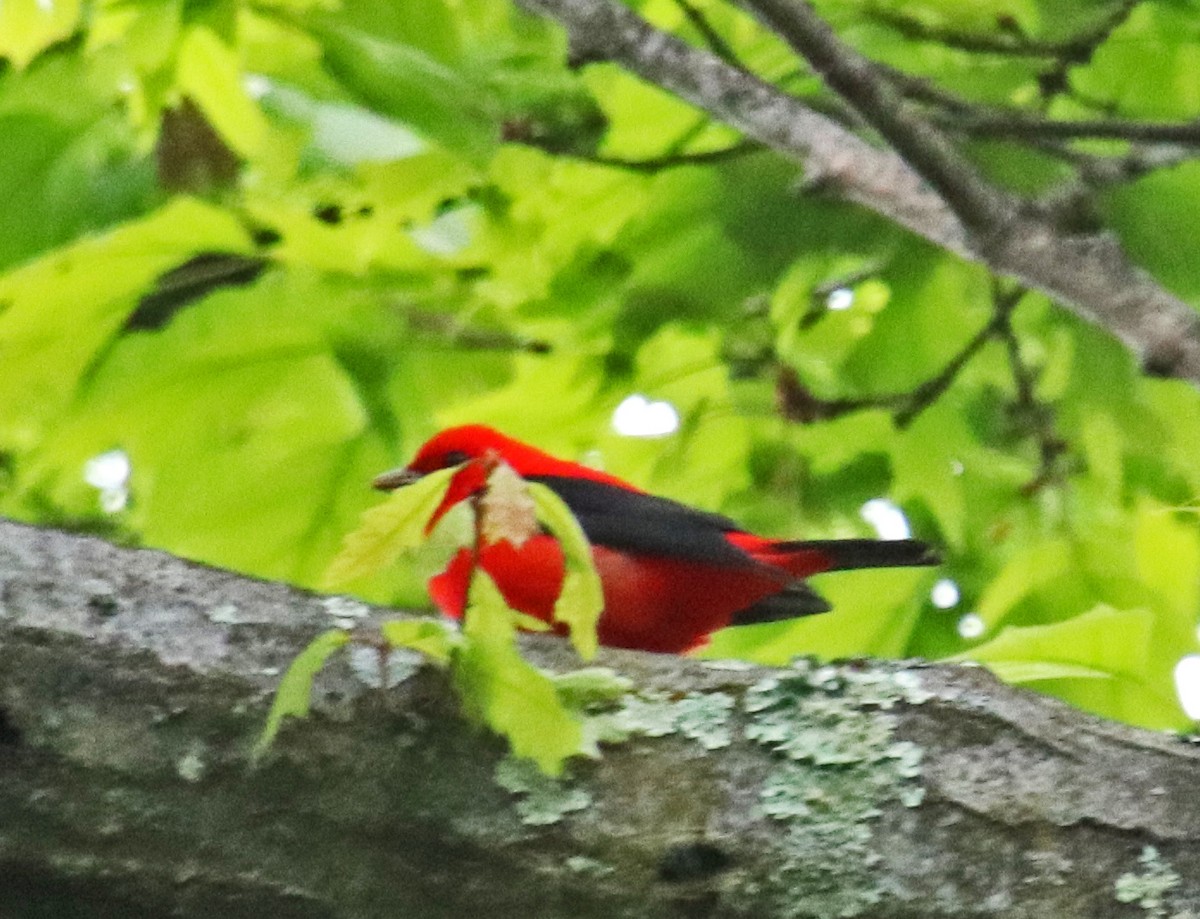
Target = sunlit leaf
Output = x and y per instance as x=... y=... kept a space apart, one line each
x=293 y=696
x=389 y=529
x=1018 y=671
x=63 y=309
x=412 y=86
x=1021 y=575
x=1168 y=557
x=436 y=639
x=582 y=598
x=506 y=692
x=210 y=74
x=28 y=27
x=1103 y=640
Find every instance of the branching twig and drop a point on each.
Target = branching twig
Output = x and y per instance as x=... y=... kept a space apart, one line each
x=796 y=402
x=1027 y=126
x=1010 y=42
x=675 y=160
x=922 y=184
x=1036 y=417
x=976 y=204
x=462 y=335
x=711 y=36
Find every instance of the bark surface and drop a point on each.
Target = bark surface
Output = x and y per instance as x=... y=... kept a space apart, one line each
x=133 y=685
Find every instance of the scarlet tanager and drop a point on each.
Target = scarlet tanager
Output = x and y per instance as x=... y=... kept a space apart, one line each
x=671 y=574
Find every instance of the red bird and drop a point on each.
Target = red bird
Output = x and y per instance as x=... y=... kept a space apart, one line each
x=671 y=574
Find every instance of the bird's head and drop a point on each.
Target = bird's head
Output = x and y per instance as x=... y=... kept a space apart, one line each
x=456 y=446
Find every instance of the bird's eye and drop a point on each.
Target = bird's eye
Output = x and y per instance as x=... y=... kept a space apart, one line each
x=454 y=458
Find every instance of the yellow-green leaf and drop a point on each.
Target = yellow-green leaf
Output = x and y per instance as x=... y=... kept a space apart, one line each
x=295 y=689
x=29 y=27
x=61 y=311
x=1168 y=555
x=210 y=74
x=506 y=692
x=434 y=638
x=388 y=530
x=1027 y=570
x=582 y=598
x=591 y=685
x=1017 y=671
x=1102 y=641
x=409 y=84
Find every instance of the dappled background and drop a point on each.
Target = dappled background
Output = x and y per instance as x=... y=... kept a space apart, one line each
x=254 y=253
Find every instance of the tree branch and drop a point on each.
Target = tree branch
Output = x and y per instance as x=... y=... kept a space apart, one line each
x=859 y=82
x=1078 y=49
x=1088 y=273
x=132 y=685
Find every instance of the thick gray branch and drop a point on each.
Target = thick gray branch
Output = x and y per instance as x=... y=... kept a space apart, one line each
x=132 y=685
x=928 y=190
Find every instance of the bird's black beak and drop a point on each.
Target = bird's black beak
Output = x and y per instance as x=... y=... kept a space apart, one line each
x=396 y=478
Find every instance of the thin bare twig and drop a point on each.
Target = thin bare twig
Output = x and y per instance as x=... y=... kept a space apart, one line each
x=676 y=160
x=1028 y=126
x=796 y=402
x=921 y=183
x=711 y=36
x=1010 y=41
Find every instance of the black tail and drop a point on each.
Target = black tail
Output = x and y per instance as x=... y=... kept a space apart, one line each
x=870 y=553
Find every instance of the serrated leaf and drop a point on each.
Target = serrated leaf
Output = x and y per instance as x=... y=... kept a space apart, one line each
x=436 y=639
x=591 y=685
x=582 y=598
x=506 y=692
x=389 y=529
x=295 y=689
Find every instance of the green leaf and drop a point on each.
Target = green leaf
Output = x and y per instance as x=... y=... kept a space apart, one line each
x=590 y=686
x=506 y=692
x=1102 y=444
x=294 y=694
x=412 y=86
x=435 y=638
x=1168 y=556
x=582 y=598
x=1102 y=641
x=29 y=27
x=1029 y=568
x=210 y=74
x=64 y=308
x=1017 y=672
x=389 y=529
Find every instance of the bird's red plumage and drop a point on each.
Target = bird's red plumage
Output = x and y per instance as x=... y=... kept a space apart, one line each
x=671 y=574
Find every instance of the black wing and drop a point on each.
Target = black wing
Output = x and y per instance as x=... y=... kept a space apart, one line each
x=637 y=522
x=797 y=599
x=634 y=521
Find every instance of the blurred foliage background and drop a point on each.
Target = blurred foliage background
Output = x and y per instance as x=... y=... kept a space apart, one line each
x=253 y=252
